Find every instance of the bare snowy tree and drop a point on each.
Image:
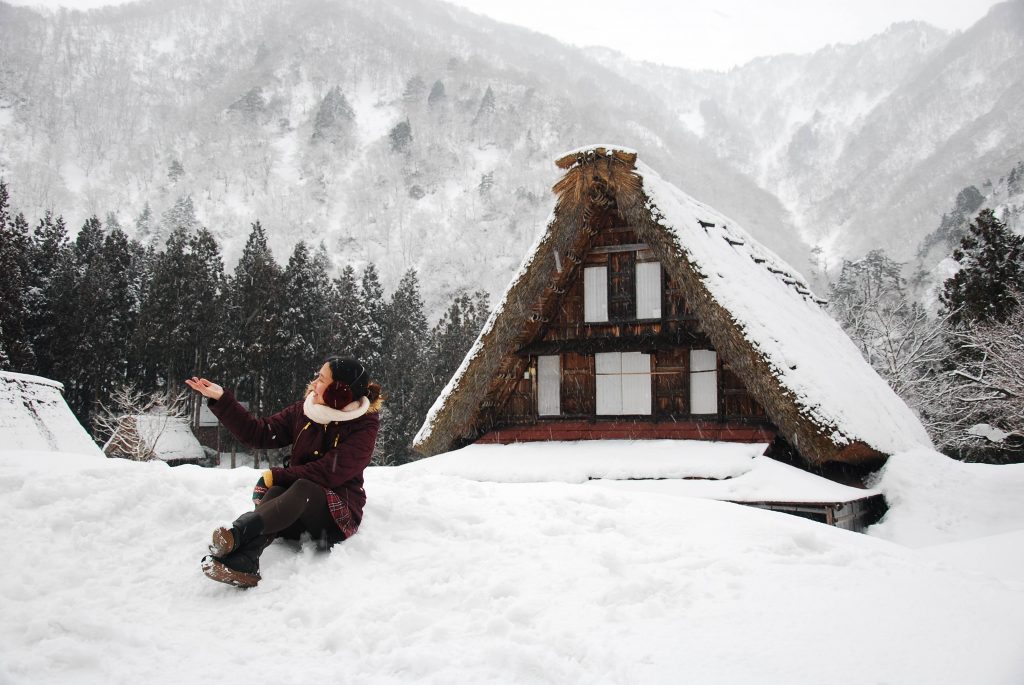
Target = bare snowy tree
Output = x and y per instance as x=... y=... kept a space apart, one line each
x=897 y=337
x=976 y=407
x=132 y=422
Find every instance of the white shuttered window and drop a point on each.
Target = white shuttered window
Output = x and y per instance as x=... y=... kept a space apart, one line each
x=703 y=382
x=623 y=383
x=549 y=386
x=636 y=383
x=595 y=293
x=609 y=382
x=648 y=290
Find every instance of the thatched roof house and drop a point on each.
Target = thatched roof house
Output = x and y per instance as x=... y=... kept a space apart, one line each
x=34 y=417
x=155 y=436
x=640 y=312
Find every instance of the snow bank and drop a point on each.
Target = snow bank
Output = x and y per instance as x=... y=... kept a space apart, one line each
x=728 y=471
x=34 y=416
x=452 y=580
x=1000 y=556
x=934 y=499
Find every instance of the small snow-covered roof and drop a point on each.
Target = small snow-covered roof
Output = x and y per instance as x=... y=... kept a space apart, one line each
x=34 y=416
x=174 y=438
x=734 y=472
x=759 y=312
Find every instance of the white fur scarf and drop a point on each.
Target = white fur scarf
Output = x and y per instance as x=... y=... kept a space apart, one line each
x=323 y=414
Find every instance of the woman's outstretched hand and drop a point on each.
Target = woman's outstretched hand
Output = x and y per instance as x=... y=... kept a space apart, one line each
x=205 y=387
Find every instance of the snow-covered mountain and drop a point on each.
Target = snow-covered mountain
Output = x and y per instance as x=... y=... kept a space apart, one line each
x=867 y=145
x=416 y=134
x=1004 y=195
x=295 y=113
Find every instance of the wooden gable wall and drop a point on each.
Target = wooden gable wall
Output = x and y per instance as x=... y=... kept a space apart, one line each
x=511 y=412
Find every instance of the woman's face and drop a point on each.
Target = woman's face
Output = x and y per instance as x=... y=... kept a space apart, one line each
x=320 y=383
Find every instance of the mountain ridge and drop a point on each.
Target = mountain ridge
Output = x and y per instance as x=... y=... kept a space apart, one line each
x=144 y=104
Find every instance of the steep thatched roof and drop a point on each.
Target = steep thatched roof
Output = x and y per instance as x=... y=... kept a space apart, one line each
x=758 y=312
x=35 y=417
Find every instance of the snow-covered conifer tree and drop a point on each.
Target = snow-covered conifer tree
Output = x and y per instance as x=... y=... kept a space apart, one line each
x=252 y=320
x=334 y=118
x=304 y=326
x=405 y=369
x=371 y=320
x=991 y=272
x=51 y=280
x=15 y=344
x=453 y=335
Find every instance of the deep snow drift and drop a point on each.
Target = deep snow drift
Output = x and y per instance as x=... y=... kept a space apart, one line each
x=455 y=580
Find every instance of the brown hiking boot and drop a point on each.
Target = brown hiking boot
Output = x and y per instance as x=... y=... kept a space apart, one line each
x=240 y=568
x=216 y=569
x=224 y=540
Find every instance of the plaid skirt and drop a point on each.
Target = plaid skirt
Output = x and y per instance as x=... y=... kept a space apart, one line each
x=341 y=514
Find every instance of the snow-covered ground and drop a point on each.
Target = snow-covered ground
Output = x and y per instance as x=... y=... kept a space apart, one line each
x=458 y=580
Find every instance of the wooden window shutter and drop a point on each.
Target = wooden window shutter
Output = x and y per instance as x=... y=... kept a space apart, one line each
x=623 y=383
x=595 y=294
x=609 y=382
x=648 y=290
x=703 y=382
x=549 y=385
x=636 y=383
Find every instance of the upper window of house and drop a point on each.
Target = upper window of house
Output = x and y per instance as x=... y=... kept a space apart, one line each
x=595 y=294
x=648 y=290
x=630 y=290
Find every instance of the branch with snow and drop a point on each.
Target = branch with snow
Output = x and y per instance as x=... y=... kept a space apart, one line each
x=134 y=421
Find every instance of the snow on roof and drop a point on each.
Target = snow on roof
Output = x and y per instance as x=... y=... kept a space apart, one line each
x=34 y=416
x=777 y=313
x=729 y=471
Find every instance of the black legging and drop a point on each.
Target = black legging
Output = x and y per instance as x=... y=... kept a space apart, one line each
x=299 y=508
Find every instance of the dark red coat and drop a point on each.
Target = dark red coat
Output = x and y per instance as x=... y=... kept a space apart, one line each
x=332 y=456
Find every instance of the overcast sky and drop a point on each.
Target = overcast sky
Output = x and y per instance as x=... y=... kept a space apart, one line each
x=712 y=34
x=718 y=34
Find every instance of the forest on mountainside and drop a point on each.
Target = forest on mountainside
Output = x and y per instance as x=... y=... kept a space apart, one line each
x=104 y=312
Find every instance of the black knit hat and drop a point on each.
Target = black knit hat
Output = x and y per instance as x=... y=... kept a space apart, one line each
x=351 y=373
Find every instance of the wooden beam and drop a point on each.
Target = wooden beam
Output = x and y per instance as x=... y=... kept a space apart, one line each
x=631 y=247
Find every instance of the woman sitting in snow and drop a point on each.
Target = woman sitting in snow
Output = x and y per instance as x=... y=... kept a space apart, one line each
x=332 y=434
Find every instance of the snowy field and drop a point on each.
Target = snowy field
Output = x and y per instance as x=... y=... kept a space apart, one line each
x=458 y=580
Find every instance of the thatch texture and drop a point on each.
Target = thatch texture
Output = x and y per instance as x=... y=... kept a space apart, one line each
x=711 y=259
